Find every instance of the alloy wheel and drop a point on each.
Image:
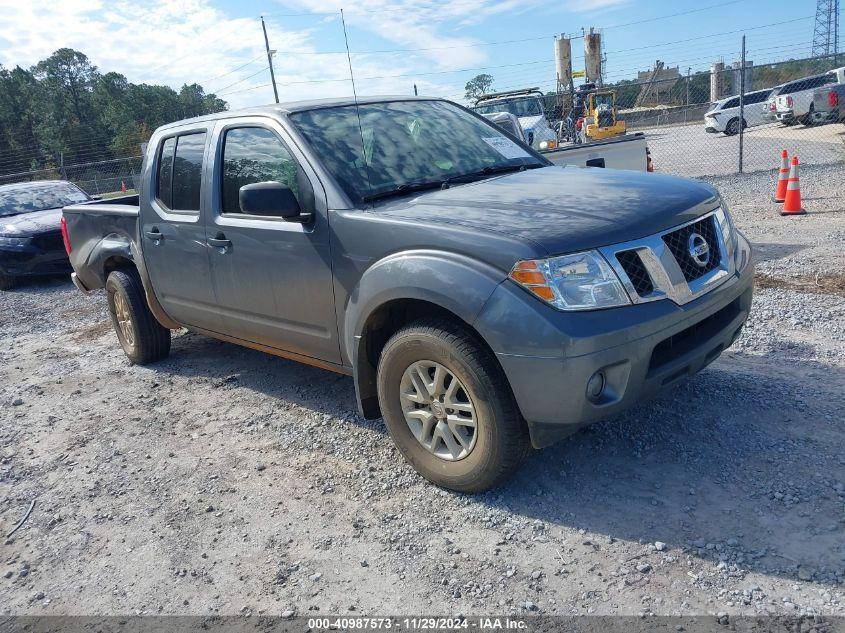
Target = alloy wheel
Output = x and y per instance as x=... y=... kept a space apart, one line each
x=438 y=410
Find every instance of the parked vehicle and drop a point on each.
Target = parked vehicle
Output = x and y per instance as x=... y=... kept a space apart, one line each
x=527 y=106
x=724 y=116
x=30 y=233
x=795 y=99
x=829 y=104
x=482 y=299
x=623 y=152
x=508 y=122
x=770 y=106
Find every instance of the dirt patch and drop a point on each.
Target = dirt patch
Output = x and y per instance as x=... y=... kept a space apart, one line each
x=815 y=284
x=92 y=332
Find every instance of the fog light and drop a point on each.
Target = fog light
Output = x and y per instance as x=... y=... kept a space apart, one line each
x=595 y=386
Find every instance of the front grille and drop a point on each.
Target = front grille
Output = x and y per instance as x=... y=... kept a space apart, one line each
x=634 y=268
x=678 y=243
x=49 y=242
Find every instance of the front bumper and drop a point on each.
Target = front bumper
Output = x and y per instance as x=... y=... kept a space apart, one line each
x=640 y=349
x=37 y=256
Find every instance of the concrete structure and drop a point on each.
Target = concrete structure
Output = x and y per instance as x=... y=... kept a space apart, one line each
x=736 y=77
x=592 y=57
x=657 y=83
x=718 y=87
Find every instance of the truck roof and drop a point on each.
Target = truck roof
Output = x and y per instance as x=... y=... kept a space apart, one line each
x=298 y=106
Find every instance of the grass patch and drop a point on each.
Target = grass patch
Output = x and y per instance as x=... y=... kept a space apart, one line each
x=814 y=284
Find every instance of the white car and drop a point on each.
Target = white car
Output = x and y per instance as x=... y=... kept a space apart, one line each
x=723 y=115
x=795 y=99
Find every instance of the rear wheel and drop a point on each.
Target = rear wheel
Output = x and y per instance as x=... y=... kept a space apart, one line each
x=7 y=282
x=142 y=338
x=807 y=119
x=449 y=408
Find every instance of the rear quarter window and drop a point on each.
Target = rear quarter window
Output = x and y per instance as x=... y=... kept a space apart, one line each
x=179 y=175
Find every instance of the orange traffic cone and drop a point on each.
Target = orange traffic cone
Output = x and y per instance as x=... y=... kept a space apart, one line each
x=792 y=203
x=123 y=186
x=783 y=176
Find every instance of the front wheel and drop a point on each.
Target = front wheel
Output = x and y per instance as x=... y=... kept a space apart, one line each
x=449 y=408
x=143 y=339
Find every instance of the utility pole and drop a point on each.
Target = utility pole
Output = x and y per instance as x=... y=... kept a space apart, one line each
x=741 y=102
x=415 y=90
x=688 y=71
x=270 y=59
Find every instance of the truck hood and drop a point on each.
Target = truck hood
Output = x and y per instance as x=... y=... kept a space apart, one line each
x=564 y=209
x=31 y=224
x=528 y=122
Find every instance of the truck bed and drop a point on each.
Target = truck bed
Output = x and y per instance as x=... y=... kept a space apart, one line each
x=98 y=227
x=624 y=152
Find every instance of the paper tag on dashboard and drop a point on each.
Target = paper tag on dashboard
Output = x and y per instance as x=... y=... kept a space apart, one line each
x=505 y=147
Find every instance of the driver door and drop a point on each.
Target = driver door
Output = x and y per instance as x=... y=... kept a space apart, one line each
x=272 y=276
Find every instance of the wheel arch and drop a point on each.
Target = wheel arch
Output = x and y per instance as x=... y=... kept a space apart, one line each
x=400 y=289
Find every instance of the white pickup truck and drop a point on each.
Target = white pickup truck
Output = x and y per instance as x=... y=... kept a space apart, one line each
x=794 y=101
x=527 y=106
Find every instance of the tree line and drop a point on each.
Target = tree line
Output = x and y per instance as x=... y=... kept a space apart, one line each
x=63 y=110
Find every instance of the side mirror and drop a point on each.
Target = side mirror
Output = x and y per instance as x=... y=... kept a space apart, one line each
x=270 y=199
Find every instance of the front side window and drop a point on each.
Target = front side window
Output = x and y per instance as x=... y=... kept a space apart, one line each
x=180 y=172
x=28 y=198
x=403 y=145
x=254 y=154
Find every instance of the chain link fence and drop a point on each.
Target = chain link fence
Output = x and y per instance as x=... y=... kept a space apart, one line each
x=693 y=122
x=101 y=178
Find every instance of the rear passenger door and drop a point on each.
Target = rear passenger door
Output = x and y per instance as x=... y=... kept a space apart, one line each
x=173 y=231
x=273 y=277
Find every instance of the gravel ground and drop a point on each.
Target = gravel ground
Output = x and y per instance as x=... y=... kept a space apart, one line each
x=226 y=481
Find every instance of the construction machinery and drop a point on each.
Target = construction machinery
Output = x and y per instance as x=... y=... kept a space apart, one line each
x=600 y=116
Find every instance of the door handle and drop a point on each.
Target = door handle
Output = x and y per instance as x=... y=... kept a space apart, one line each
x=220 y=242
x=155 y=235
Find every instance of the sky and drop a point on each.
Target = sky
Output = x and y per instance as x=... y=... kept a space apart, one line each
x=395 y=44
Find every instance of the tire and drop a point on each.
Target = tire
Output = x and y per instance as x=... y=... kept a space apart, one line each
x=7 y=282
x=732 y=128
x=499 y=441
x=142 y=338
x=807 y=119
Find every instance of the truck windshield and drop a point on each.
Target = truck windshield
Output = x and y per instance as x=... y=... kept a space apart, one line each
x=526 y=106
x=403 y=146
x=27 y=198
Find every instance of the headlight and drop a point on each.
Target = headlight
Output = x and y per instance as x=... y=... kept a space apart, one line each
x=5 y=240
x=726 y=224
x=582 y=281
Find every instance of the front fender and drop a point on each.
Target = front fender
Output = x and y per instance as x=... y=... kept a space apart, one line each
x=450 y=281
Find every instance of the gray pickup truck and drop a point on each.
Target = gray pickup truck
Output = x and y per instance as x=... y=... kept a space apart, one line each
x=482 y=299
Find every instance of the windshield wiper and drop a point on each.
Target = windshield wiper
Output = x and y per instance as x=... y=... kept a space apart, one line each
x=406 y=187
x=489 y=171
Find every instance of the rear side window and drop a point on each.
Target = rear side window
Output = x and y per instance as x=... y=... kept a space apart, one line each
x=254 y=154
x=180 y=172
x=164 y=192
x=731 y=103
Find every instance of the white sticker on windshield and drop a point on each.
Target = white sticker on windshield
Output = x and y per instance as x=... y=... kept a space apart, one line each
x=505 y=147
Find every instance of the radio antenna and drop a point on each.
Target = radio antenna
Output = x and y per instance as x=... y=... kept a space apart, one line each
x=355 y=98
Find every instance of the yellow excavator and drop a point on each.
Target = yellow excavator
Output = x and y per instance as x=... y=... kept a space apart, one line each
x=600 y=121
